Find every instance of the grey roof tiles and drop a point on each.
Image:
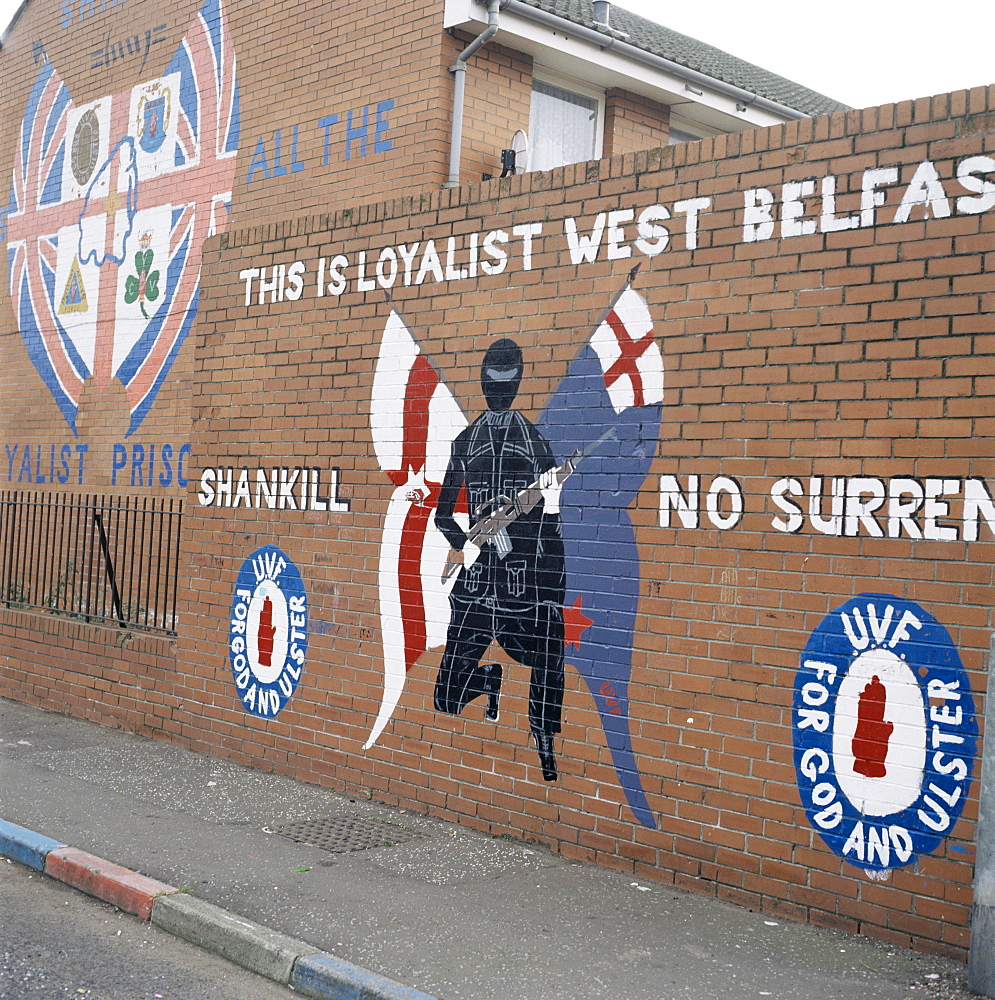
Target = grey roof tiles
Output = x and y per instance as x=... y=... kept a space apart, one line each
x=689 y=52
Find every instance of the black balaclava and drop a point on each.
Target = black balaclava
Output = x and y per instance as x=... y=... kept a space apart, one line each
x=501 y=374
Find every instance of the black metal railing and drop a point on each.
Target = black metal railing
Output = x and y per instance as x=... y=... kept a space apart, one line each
x=104 y=559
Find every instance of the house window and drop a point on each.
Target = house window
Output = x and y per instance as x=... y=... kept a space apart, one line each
x=564 y=126
x=678 y=136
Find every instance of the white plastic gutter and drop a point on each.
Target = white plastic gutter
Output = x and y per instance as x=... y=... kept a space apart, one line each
x=459 y=89
x=605 y=41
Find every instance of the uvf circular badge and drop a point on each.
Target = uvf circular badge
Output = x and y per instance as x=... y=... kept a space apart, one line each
x=268 y=636
x=884 y=732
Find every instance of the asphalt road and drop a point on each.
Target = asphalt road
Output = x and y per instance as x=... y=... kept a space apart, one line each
x=57 y=943
x=456 y=913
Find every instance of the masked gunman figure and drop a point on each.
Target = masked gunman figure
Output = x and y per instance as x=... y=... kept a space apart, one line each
x=511 y=585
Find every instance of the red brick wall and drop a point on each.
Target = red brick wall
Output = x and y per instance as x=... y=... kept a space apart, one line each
x=118 y=679
x=633 y=122
x=383 y=64
x=858 y=353
x=800 y=339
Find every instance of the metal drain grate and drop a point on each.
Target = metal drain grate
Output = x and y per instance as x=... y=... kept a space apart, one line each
x=341 y=834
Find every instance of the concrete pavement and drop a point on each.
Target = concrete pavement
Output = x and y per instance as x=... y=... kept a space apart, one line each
x=433 y=909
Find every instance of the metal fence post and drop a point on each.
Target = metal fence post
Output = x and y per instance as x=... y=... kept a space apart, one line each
x=981 y=961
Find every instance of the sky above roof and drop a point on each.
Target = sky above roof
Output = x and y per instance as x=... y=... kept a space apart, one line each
x=853 y=51
x=857 y=52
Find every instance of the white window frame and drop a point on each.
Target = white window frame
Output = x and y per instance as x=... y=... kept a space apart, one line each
x=543 y=75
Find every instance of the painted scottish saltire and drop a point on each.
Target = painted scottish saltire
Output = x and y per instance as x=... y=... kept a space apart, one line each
x=110 y=204
x=589 y=455
x=884 y=732
x=268 y=632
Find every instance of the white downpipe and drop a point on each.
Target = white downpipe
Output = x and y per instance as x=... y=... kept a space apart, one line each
x=459 y=90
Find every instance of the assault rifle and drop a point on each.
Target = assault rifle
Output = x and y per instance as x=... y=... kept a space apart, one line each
x=491 y=529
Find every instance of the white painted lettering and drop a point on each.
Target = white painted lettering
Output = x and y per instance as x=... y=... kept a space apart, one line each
x=295 y=280
x=408 y=256
x=829 y=221
x=813 y=763
x=902 y=632
x=286 y=487
x=813 y=719
x=363 y=284
x=796 y=517
x=223 y=489
x=584 y=249
x=723 y=486
x=247 y=276
x=871 y=199
x=935 y=508
x=528 y=233
x=793 y=208
x=672 y=497
x=967 y=170
x=430 y=264
x=336 y=275
x=205 y=496
x=692 y=208
x=977 y=504
x=901 y=513
x=617 y=248
x=924 y=189
x=493 y=249
x=452 y=273
x=827 y=525
x=758 y=219
x=860 y=512
x=653 y=238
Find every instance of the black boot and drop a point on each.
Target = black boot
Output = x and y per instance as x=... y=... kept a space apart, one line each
x=492 y=685
x=547 y=759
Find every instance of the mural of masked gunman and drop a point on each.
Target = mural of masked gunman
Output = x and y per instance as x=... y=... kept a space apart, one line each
x=510 y=560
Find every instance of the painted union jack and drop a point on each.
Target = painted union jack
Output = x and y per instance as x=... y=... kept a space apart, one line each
x=111 y=202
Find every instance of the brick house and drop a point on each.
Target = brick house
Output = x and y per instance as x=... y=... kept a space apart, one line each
x=251 y=294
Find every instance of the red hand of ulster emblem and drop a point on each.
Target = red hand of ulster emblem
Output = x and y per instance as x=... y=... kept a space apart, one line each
x=267 y=631
x=870 y=739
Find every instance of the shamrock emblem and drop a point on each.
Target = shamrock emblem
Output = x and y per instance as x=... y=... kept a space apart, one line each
x=144 y=283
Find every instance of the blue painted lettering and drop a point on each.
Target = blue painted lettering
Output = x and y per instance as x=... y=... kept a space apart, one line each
x=137 y=465
x=269 y=159
x=166 y=476
x=181 y=478
x=259 y=161
x=120 y=461
x=278 y=169
x=381 y=145
x=358 y=132
x=326 y=123
x=81 y=450
x=64 y=454
x=295 y=165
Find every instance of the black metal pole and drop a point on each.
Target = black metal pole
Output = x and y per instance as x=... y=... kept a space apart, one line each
x=115 y=596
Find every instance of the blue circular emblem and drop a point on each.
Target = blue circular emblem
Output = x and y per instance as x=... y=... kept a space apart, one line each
x=268 y=635
x=885 y=733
